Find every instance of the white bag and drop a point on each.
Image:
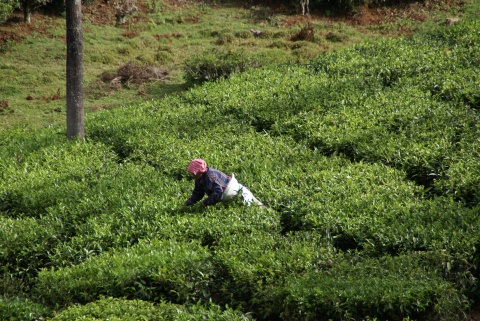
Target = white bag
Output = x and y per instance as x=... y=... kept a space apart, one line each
x=234 y=189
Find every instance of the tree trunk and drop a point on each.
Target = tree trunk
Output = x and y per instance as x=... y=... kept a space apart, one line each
x=26 y=13
x=75 y=117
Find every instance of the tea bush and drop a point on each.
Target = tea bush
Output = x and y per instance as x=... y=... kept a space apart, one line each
x=25 y=245
x=18 y=143
x=249 y=265
x=463 y=178
x=149 y=220
x=21 y=309
x=328 y=108
x=388 y=288
x=152 y=271
x=365 y=157
x=132 y=310
x=62 y=173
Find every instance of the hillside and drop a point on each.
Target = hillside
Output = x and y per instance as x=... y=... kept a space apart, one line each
x=164 y=36
x=366 y=154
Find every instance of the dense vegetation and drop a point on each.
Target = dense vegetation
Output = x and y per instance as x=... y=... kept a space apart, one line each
x=367 y=157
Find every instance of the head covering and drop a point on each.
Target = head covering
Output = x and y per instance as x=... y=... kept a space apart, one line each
x=197 y=166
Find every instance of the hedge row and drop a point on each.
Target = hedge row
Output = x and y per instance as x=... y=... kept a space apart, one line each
x=177 y=272
x=390 y=288
x=133 y=310
x=17 y=309
x=300 y=276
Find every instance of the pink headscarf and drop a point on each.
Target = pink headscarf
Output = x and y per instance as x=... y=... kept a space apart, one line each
x=197 y=166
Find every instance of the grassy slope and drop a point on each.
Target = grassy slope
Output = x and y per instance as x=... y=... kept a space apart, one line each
x=32 y=70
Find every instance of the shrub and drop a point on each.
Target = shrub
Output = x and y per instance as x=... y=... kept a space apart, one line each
x=250 y=264
x=21 y=309
x=60 y=174
x=216 y=65
x=18 y=143
x=152 y=271
x=225 y=39
x=25 y=245
x=6 y=9
x=307 y=33
x=133 y=310
x=462 y=178
x=155 y=218
x=388 y=288
x=244 y=34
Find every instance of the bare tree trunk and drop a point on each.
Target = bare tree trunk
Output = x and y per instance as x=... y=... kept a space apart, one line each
x=75 y=113
x=26 y=13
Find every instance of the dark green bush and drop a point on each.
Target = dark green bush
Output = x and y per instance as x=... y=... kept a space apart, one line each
x=251 y=264
x=6 y=9
x=388 y=288
x=25 y=245
x=209 y=66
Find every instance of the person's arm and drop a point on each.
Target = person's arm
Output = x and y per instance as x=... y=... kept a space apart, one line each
x=197 y=194
x=215 y=197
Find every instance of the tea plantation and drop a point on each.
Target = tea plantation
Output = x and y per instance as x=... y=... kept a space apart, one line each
x=368 y=159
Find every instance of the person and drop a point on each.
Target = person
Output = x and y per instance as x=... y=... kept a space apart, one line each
x=218 y=186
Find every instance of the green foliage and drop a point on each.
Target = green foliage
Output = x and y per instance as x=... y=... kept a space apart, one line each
x=25 y=245
x=388 y=288
x=152 y=271
x=218 y=64
x=59 y=174
x=6 y=9
x=464 y=178
x=21 y=310
x=132 y=310
x=366 y=158
x=251 y=264
x=149 y=219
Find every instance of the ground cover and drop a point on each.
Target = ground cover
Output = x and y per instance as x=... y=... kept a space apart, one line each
x=341 y=148
x=161 y=36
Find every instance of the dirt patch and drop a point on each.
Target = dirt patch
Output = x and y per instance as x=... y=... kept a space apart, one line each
x=306 y=34
x=14 y=30
x=47 y=98
x=168 y=36
x=4 y=108
x=7 y=36
x=474 y=314
x=132 y=74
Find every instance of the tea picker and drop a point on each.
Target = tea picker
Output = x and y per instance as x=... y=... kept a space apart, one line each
x=218 y=186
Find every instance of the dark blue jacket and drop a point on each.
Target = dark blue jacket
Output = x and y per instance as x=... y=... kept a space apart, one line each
x=213 y=183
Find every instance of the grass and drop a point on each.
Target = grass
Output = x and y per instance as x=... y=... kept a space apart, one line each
x=32 y=77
